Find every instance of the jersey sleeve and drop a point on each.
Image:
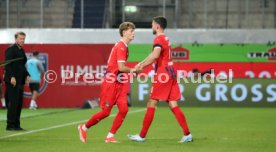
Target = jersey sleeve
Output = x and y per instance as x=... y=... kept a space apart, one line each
x=121 y=54
x=157 y=43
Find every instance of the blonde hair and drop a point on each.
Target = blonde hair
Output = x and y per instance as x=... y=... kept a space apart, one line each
x=125 y=26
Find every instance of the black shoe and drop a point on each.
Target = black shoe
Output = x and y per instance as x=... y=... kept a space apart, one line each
x=10 y=129
x=15 y=129
x=19 y=129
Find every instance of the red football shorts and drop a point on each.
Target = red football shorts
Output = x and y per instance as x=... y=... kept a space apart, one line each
x=111 y=94
x=165 y=90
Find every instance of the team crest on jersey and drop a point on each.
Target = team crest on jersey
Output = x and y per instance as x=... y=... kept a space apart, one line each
x=43 y=57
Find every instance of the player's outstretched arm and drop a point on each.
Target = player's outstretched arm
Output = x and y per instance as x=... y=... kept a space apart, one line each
x=151 y=58
x=125 y=69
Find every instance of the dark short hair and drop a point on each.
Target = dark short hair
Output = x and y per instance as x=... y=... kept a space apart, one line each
x=161 y=20
x=19 y=33
x=125 y=26
x=35 y=53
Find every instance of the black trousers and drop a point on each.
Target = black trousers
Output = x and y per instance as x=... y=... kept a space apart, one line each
x=15 y=100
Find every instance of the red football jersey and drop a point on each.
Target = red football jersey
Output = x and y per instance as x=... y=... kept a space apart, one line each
x=165 y=56
x=119 y=53
x=162 y=88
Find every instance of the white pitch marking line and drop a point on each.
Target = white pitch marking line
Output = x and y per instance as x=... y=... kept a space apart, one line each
x=59 y=126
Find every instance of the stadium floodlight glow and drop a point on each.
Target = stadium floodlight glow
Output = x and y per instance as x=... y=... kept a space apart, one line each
x=131 y=9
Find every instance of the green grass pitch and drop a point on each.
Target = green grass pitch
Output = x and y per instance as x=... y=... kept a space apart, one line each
x=214 y=130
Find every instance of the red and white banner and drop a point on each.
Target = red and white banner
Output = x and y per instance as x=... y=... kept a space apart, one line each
x=67 y=90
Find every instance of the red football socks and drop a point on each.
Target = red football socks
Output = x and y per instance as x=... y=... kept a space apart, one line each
x=147 y=121
x=123 y=109
x=97 y=118
x=179 y=115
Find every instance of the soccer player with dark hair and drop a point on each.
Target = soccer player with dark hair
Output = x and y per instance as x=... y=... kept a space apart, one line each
x=35 y=69
x=165 y=90
x=113 y=92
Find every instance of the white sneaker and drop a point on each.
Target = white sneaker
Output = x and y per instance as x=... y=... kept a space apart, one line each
x=35 y=106
x=32 y=108
x=136 y=138
x=188 y=138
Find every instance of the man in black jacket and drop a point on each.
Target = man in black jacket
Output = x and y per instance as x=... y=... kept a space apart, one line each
x=15 y=77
